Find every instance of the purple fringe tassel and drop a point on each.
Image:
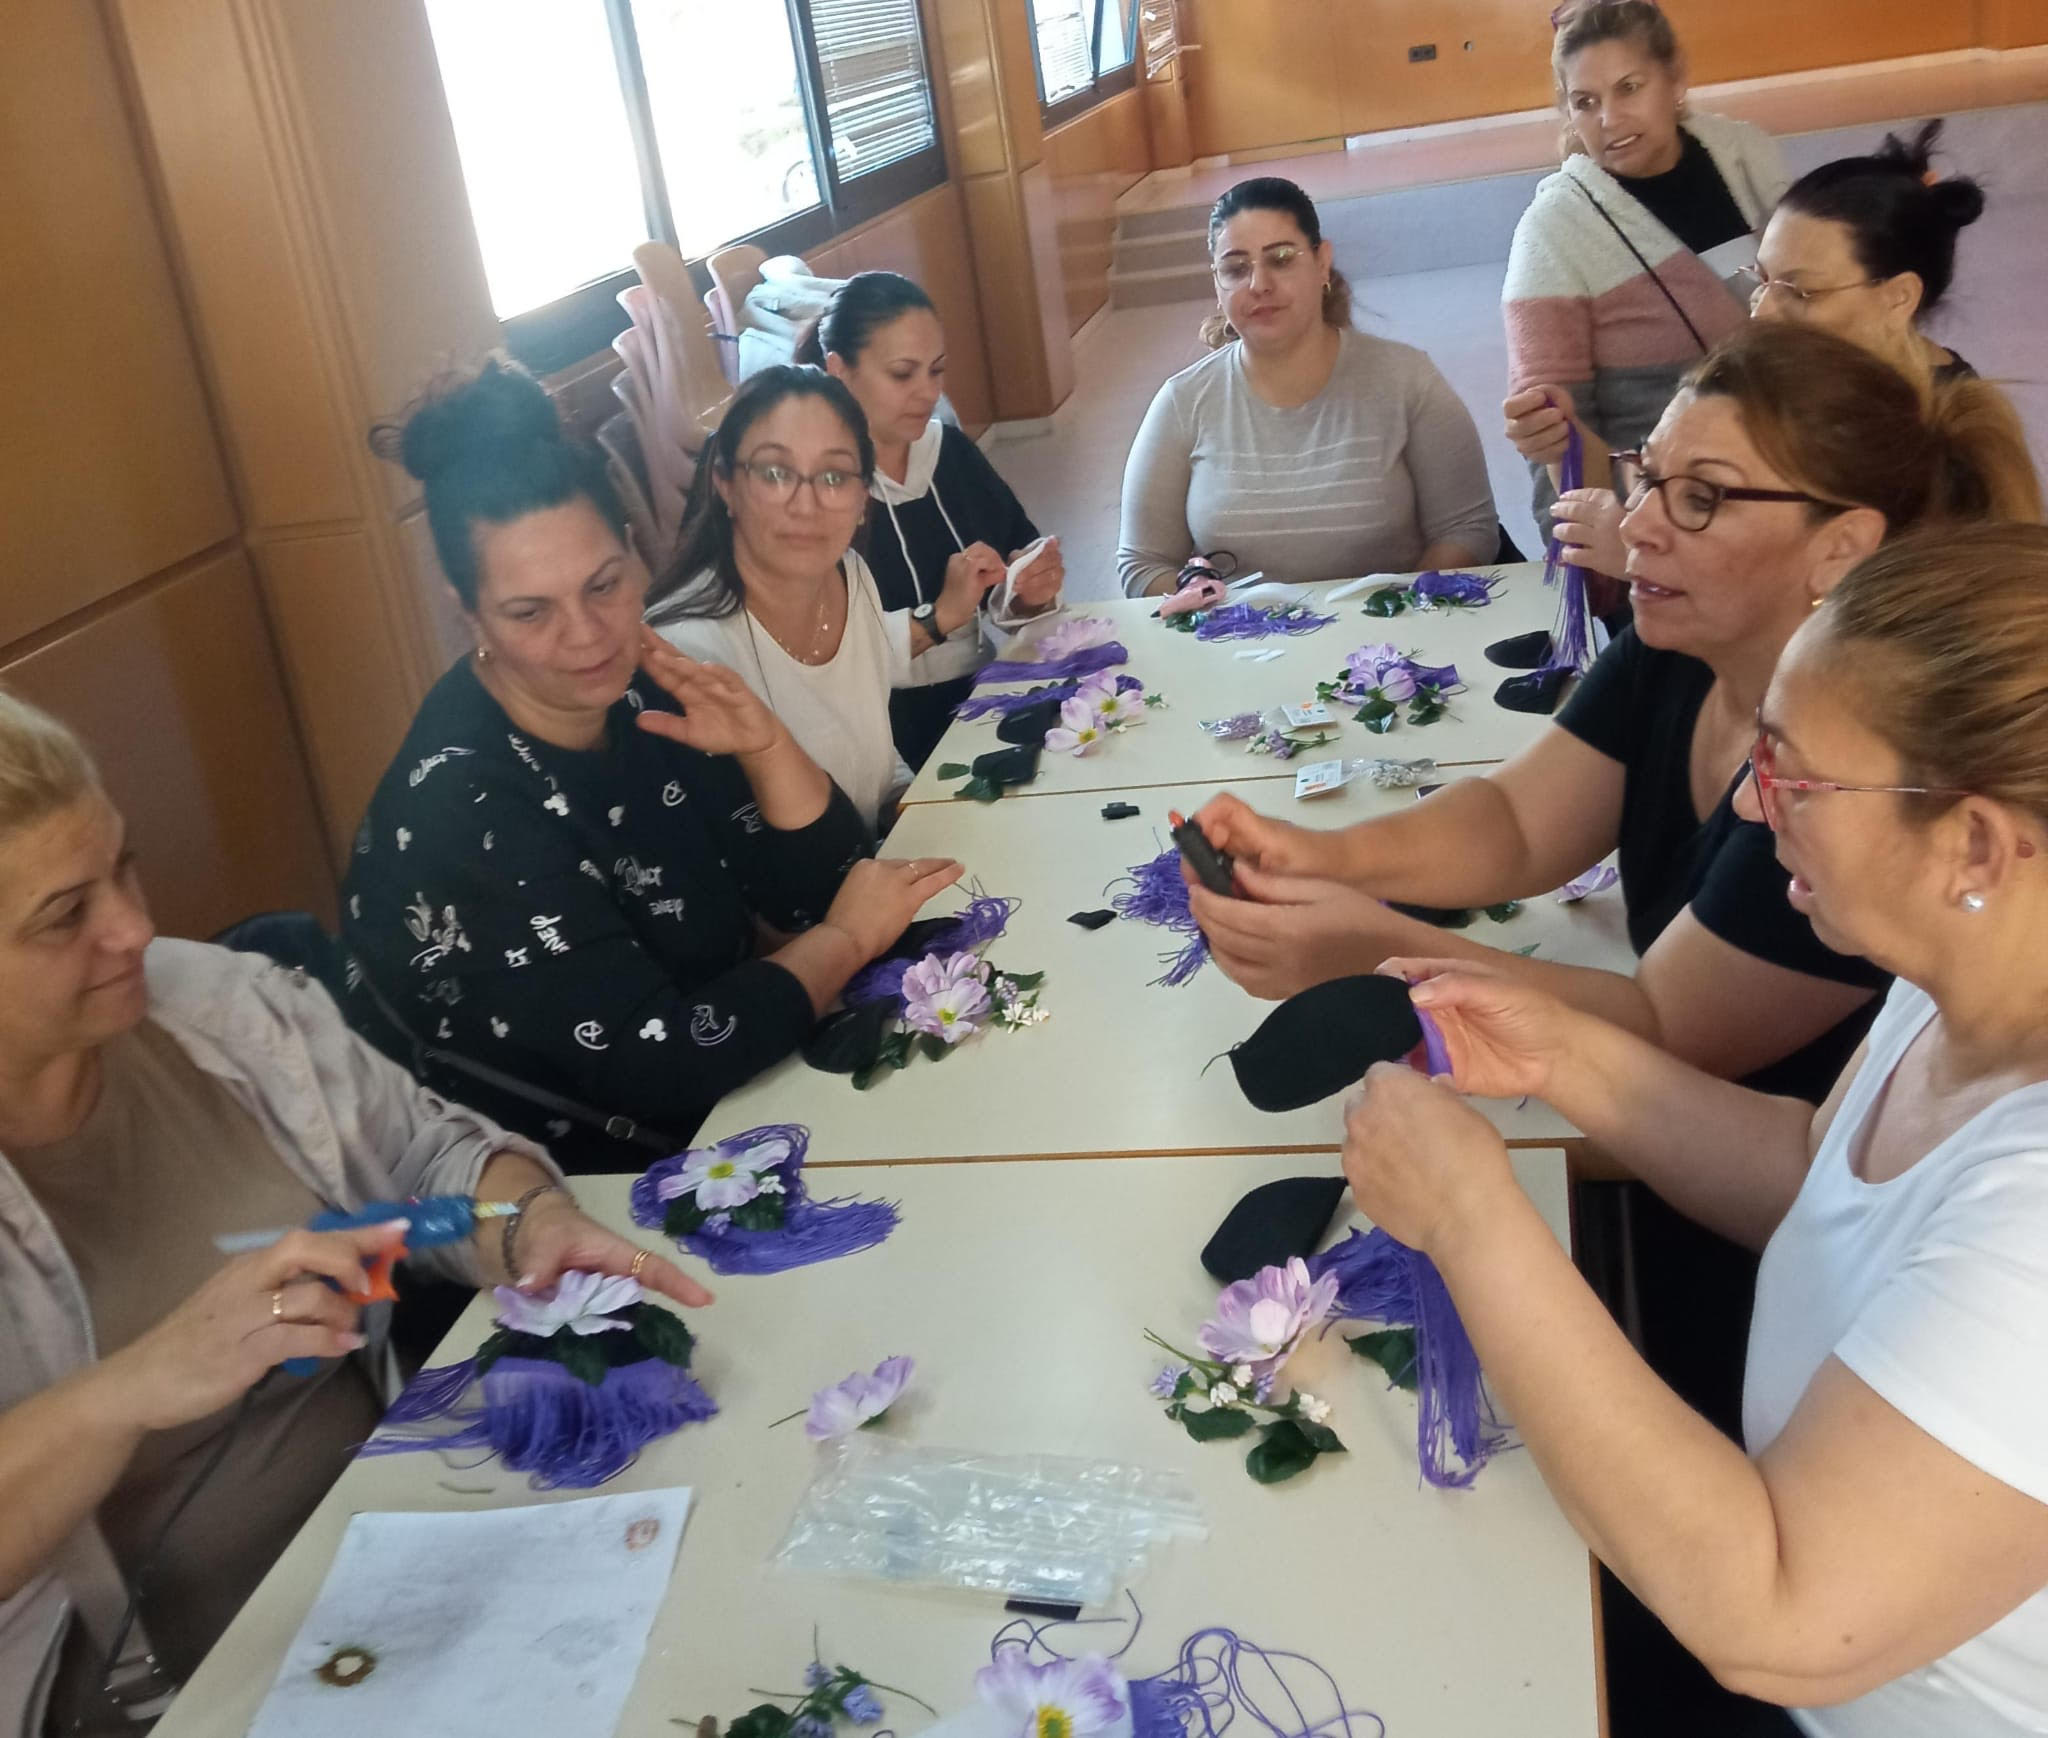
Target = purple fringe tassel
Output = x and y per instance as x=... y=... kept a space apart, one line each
x=984 y=920
x=1245 y=621
x=1159 y=896
x=1002 y=705
x=1084 y=663
x=1463 y=590
x=1381 y=1280
x=1572 y=638
x=811 y=1231
x=541 y=1420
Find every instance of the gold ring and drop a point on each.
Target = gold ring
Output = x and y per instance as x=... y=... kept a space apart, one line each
x=277 y=1306
x=639 y=1261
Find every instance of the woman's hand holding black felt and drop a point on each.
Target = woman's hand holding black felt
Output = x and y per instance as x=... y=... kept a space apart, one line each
x=881 y=895
x=721 y=714
x=1423 y=1165
x=1288 y=931
x=1505 y=1038
x=1279 y=847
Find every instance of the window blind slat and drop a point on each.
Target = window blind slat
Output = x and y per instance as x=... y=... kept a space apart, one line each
x=876 y=97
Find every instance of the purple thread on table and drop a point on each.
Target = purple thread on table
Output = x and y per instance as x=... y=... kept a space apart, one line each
x=977 y=706
x=986 y=917
x=1244 y=621
x=1158 y=895
x=1082 y=663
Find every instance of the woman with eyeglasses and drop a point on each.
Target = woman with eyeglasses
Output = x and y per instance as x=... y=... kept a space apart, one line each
x=557 y=901
x=1875 y=1554
x=1622 y=270
x=766 y=581
x=1301 y=447
x=1866 y=247
x=935 y=503
x=1787 y=457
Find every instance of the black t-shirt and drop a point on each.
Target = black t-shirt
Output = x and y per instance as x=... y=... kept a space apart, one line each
x=907 y=547
x=1639 y=706
x=1691 y=200
x=583 y=922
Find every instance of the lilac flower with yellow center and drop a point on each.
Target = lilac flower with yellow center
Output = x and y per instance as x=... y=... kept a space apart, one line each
x=1059 y=1699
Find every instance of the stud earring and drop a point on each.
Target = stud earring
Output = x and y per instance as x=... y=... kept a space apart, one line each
x=483 y=654
x=1817 y=602
x=1972 y=902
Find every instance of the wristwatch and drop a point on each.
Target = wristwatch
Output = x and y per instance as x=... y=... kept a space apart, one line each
x=926 y=615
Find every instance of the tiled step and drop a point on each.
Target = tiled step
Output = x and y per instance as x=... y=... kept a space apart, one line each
x=1144 y=289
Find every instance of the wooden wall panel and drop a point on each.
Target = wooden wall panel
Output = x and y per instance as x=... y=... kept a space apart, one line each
x=177 y=693
x=1277 y=72
x=109 y=468
x=2014 y=23
x=1266 y=72
x=1091 y=161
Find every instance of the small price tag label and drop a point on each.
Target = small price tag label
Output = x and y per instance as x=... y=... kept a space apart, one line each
x=1314 y=716
x=1320 y=779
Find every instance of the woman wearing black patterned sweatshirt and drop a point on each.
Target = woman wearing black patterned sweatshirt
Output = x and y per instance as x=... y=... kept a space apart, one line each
x=576 y=875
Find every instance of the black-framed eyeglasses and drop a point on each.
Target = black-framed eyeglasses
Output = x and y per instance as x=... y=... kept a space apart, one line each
x=1692 y=502
x=834 y=486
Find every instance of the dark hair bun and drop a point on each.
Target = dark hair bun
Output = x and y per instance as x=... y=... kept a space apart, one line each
x=1958 y=202
x=499 y=409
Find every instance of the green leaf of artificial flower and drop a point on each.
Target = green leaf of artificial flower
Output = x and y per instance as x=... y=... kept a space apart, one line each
x=1025 y=980
x=981 y=790
x=1389 y=600
x=683 y=1216
x=1284 y=1452
x=763 y=1721
x=1218 y=1424
x=932 y=1047
x=1426 y=711
x=662 y=1334
x=1321 y=1437
x=492 y=1350
x=762 y=1213
x=581 y=1357
x=1506 y=912
x=1378 y=723
x=953 y=769
x=1393 y=1349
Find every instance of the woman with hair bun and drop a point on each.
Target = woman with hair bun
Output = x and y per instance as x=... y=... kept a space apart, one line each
x=1865 y=247
x=1302 y=447
x=555 y=898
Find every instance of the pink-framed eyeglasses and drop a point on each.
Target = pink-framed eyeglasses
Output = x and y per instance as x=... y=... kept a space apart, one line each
x=1763 y=767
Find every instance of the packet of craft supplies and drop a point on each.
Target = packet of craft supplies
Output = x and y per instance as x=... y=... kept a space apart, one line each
x=1030 y=1526
x=1388 y=775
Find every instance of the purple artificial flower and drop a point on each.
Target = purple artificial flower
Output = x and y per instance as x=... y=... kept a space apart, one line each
x=1113 y=702
x=726 y=1176
x=816 y=1675
x=1595 y=880
x=1397 y=682
x=579 y=1302
x=1074 y=634
x=1442 y=677
x=1168 y=1380
x=810 y=1726
x=1079 y=728
x=862 y=1706
x=1060 y=1699
x=861 y=1398
x=1260 y=1321
x=946 y=998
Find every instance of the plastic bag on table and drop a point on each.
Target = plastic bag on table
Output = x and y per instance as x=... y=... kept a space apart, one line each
x=1033 y=1526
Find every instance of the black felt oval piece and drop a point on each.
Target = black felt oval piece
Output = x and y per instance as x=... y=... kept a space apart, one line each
x=1323 y=1040
x=1029 y=723
x=1093 y=919
x=1521 y=652
x=1009 y=766
x=1536 y=692
x=850 y=1040
x=1271 y=1225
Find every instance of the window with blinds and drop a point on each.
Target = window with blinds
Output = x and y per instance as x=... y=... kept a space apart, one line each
x=1084 y=52
x=872 y=82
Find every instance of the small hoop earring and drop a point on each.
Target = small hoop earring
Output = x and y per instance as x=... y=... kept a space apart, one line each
x=1972 y=902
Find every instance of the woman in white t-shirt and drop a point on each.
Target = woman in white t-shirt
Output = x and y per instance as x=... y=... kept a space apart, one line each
x=766 y=582
x=1878 y=1559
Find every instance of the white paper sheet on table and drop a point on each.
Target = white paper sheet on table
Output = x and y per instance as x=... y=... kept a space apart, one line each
x=506 y=1623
